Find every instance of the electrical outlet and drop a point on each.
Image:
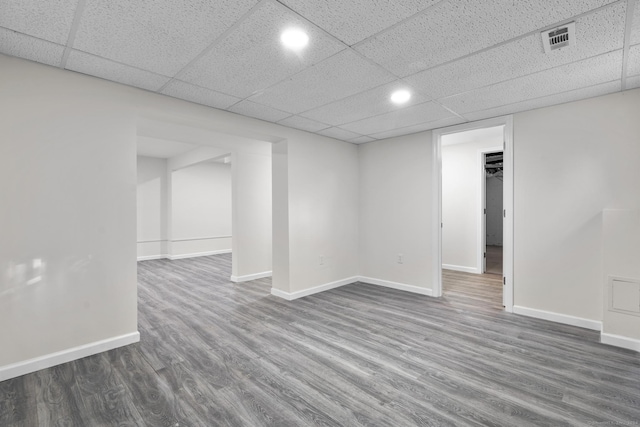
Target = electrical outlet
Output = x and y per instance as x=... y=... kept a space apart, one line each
x=400 y=260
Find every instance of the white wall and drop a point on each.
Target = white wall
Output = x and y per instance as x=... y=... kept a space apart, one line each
x=621 y=256
x=494 y=205
x=67 y=217
x=201 y=209
x=69 y=202
x=323 y=212
x=396 y=211
x=461 y=203
x=252 y=228
x=571 y=162
x=152 y=207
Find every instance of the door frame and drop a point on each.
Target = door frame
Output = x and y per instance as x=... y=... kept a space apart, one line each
x=508 y=203
x=482 y=205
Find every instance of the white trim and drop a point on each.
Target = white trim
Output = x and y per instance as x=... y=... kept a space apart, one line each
x=248 y=277
x=461 y=268
x=64 y=356
x=396 y=285
x=183 y=256
x=482 y=206
x=150 y=257
x=289 y=296
x=197 y=254
x=436 y=226
x=436 y=257
x=558 y=318
x=620 y=341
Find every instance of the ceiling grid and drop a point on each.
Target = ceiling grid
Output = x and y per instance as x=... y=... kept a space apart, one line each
x=462 y=60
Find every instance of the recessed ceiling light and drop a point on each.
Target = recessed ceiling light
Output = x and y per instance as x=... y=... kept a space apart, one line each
x=400 y=96
x=294 y=38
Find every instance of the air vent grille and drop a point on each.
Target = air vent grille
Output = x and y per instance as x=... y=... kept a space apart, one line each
x=559 y=38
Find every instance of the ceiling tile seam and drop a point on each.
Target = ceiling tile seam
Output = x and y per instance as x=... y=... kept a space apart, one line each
x=527 y=75
x=429 y=98
x=31 y=37
x=261 y=105
x=628 y=25
x=119 y=63
x=304 y=18
x=214 y=42
x=522 y=36
x=77 y=16
x=397 y=24
x=159 y=91
x=520 y=77
x=305 y=118
x=542 y=97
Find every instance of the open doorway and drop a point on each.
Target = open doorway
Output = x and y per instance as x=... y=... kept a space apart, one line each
x=203 y=195
x=493 y=206
x=463 y=249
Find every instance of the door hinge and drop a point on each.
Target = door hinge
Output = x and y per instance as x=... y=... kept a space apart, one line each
x=504 y=280
x=485 y=254
x=485 y=211
x=504 y=213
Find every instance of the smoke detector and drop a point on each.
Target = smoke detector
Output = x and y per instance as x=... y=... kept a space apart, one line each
x=557 y=38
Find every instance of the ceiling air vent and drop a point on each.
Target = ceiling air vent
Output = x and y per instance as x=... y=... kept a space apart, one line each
x=560 y=37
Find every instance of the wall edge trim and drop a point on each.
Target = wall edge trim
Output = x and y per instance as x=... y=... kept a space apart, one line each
x=42 y=362
x=395 y=285
x=565 y=319
x=290 y=296
x=620 y=341
x=461 y=268
x=247 y=277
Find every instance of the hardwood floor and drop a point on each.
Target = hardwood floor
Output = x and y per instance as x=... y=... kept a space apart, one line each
x=494 y=260
x=217 y=353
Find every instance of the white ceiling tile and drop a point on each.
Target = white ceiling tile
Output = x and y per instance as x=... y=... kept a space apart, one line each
x=199 y=95
x=635 y=24
x=372 y=102
x=453 y=29
x=345 y=20
x=592 y=71
x=451 y=121
x=303 y=123
x=49 y=20
x=109 y=70
x=633 y=82
x=361 y=139
x=339 y=133
x=633 y=61
x=251 y=109
x=252 y=58
x=560 y=98
x=596 y=33
x=160 y=36
x=344 y=74
x=427 y=112
x=31 y=48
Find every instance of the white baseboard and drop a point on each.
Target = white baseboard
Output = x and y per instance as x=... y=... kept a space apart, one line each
x=558 y=318
x=183 y=256
x=620 y=341
x=396 y=285
x=289 y=296
x=461 y=268
x=150 y=257
x=197 y=254
x=247 y=277
x=53 y=359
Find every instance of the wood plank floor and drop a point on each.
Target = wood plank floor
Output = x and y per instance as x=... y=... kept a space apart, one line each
x=216 y=353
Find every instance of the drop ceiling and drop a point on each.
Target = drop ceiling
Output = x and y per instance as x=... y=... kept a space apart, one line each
x=463 y=60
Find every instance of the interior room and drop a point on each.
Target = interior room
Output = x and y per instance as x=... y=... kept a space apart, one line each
x=330 y=292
